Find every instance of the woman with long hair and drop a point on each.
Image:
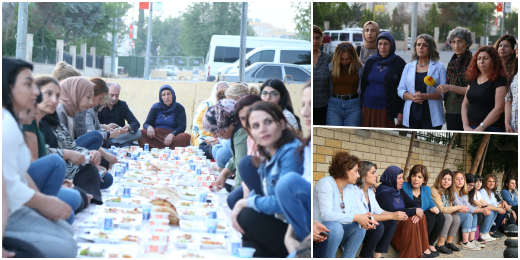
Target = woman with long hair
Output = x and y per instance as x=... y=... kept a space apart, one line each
x=346 y=72
x=416 y=187
x=505 y=47
x=369 y=46
x=483 y=105
x=511 y=106
x=509 y=193
x=443 y=194
x=498 y=212
x=320 y=78
x=273 y=90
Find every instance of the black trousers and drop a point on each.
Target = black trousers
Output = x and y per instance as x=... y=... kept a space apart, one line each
x=480 y=218
x=319 y=115
x=435 y=223
x=422 y=124
x=206 y=148
x=454 y=122
x=250 y=177
x=21 y=248
x=378 y=239
x=265 y=233
x=319 y=250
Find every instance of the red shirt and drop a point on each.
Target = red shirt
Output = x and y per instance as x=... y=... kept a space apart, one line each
x=326 y=38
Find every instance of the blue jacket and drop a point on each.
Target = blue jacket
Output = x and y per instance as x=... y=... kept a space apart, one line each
x=506 y=195
x=285 y=160
x=426 y=195
x=407 y=84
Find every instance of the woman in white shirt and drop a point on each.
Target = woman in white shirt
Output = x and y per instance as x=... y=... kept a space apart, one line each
x=497 y=211
x=18 y=94
x=334 y=207
x=377 y=240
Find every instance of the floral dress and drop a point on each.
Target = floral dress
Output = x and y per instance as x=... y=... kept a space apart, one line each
x=514 y=99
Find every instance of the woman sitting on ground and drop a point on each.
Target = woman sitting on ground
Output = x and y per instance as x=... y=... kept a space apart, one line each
x=165 y=123
x=273 y=90
x=377 y=241
x=266 y=123
x=510 y=194
x=334 y=207
x=411 y=235
x=417 y=188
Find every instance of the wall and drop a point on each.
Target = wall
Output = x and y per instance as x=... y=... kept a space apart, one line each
x=47 y=69
x=142 y=94
x=385 y=149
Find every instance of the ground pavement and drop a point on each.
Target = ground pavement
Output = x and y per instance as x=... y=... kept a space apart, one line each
x=494 y=249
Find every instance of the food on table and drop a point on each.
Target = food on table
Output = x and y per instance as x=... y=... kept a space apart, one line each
x=127 y=219
x=172 y=194
x=130 y=238
x=147 y=178
x=113 y=255
x=127 y=256
x=192 y=255
x=173 y=217
x=136 y=202
x=207 y=205
x=135 y=211
x=87 y=252
x=112 y=210
x=187 y=204
x=186 y=238
x=207 y=241
x=102 y=235
x=220 y=227
x=118 y=200
x=162 y=202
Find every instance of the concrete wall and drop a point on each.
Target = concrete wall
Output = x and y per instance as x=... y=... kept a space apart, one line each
x=47 y=69
x=385 y=149
x=142 y=94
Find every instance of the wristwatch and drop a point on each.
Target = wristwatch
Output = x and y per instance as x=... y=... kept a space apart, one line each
x=483 y=126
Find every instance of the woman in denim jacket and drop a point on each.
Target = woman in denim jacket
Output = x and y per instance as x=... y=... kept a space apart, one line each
x=259 y=217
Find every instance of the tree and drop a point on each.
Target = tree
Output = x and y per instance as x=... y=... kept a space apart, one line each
x=511 y=25
x=203 y=20
x=165 y=34
x=433 y=20
x=383 y=20
x=80 y=18
x=338 y=14
x=502 y=154
x=302 y=19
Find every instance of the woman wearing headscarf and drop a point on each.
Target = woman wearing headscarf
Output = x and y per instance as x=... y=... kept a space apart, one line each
x=505 y=47
x=273 y=90
x=369 y=46
x=381 y=76
x=411 y=236
x=422 y=104
x=198 y=135
x=165 y=123
x=456 y=82
x=320 y=78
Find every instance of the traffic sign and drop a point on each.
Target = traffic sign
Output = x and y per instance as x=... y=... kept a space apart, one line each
x=132 y=44
x=499 y=6
x=131 y=31
x=507 y=7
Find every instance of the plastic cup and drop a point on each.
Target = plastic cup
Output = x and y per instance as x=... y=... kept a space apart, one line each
x=127 y=192
x=211 y=224
x=155 y=247
x=159 y=215
x=235 y=245
x=246 y=252
x=160 y=237
x=160 y=229
x=108 y=223
x=159 y=222
x=146 y=209
x=203 y=195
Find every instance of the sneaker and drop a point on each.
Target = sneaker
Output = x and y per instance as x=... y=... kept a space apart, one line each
x=476 y=243
x=481 y=241
x=443 y=249
x=470 y=246
x=487 y=237
x=436 y=253
x=453 y=247
x=496 y=234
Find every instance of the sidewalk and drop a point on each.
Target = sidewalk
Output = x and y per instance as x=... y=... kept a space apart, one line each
x=494 y=249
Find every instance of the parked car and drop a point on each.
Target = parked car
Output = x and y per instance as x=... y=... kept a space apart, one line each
x=170 y=70
x=262 y=71
x=353 y=35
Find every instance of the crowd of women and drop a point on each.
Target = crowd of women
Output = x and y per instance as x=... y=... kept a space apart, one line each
x=371 y=86
x=350 y=212
x=55 y=164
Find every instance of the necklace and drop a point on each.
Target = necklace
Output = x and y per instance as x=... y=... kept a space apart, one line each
x=423 y=64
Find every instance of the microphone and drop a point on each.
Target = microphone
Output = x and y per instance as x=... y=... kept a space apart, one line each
x=428 y=80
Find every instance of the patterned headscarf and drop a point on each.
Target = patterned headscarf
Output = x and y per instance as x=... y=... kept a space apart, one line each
x=225 y=110
x=73 y=90
x=209 y=121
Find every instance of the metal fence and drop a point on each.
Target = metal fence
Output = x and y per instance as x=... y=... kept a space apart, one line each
x=89 y=60
x=99 y=62
x=79 y=62
x=68 y=58
x=47 y=56
x=443 y=138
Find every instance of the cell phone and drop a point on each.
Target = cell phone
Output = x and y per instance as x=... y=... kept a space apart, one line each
x=485 y=206
x=323 y=233
x=371 y=218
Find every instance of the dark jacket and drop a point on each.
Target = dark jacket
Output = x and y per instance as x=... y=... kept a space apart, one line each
x=392 y=78
x=119 y=113
x=179 y=125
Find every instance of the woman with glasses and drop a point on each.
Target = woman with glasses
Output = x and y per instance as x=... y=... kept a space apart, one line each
x=381 y=76
x=369 y=46
x=346 y=72
x=274 y=91
x=334 y=207
x=422 y=104
x=511 y=107
x=411 y=235
x=320 y=78
x=505 y=47
x=416 y=187
x=483 y=105
x=456 y=82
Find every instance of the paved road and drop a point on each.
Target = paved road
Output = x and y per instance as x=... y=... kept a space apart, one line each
x=493 y=249
x=445 y=56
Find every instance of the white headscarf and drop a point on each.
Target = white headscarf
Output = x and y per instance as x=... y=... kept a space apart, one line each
x=213 y=98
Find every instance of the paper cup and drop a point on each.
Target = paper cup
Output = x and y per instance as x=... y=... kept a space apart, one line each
x=246 y=252
x=160 y=237
x=155 y=247
x=159 y=215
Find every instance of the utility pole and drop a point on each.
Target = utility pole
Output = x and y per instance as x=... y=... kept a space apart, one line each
x=374 y=9
x=21 y=30
x=114 y=46
x=148 y=46
x=503 y=19
x=133 y=26
x=414 y=24
x=243 y=38
x=486 y=34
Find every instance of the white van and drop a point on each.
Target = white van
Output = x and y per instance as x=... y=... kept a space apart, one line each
x=353 y=35
x=291 y=55
x=225 y=49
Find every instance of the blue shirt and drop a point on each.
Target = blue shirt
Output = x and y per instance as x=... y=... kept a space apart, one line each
x=362 y=204
x=489 y=199
x=375 y=93
x=510 y=198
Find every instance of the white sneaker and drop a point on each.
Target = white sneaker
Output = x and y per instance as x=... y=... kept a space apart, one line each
x=487 y=237
x=478 y=244
x=470 y=246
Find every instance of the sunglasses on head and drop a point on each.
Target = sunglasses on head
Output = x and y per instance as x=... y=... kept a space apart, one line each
x=345 y=45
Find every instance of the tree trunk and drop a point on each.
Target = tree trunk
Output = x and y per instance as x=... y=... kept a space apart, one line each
x=448 y=151
x=67 y=36
x=483 y=160
x=480 y=151
x=412 y=140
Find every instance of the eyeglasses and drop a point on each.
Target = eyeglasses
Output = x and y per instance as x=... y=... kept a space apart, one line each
x=345 y=45
x=272 y=94
x=342 y=205
x=471 y=185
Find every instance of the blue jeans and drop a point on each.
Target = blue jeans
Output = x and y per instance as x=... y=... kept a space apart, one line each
x=344 y=112
x=294 y=195
x=251 y=179
x=468 y=221
x=350 y=236
x=490 y=128
x=91 y=140
x=488 y=221
x=221 y=154
x=48 y=174
x=107 y=181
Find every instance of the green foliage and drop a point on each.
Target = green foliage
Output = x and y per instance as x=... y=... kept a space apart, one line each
x=80 y=18
x=164 y=33
x=511 y=25
x=433 y=20
x=337 y=14
x=203 y=20
x=502 y=153
x=302 y=19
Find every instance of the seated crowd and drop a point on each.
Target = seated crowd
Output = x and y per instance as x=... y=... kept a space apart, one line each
x=419 y=221
x=56 y=132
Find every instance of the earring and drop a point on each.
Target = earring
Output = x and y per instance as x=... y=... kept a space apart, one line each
x=363 y=180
